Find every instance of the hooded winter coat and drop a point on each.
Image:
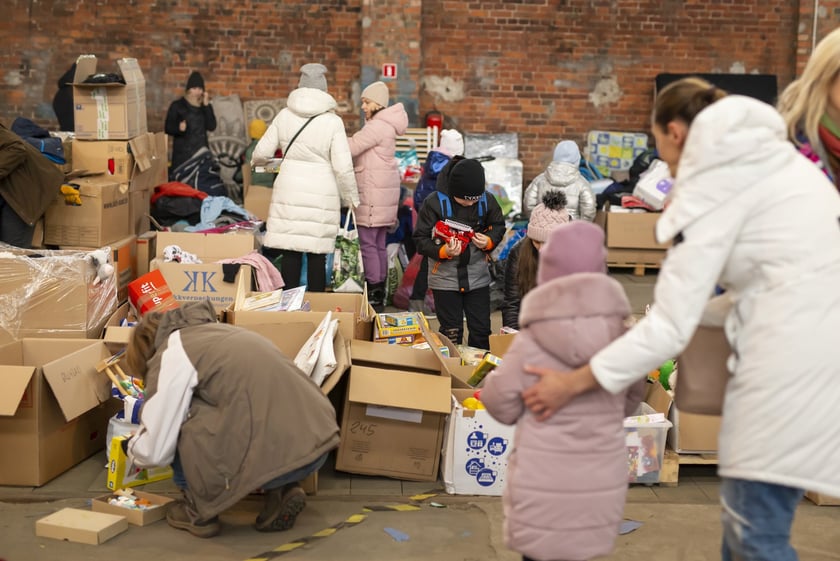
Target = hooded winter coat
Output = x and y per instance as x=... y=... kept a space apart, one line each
x=316 y=176
x=748 y=212
x=28 y=180
x=186 y=143
x=377 y=173
x=567 y=475
x=563 y=176
x=239 y=412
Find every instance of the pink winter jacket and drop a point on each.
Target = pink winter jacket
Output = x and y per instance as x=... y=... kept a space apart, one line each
x=377 y=174
x=567 y=476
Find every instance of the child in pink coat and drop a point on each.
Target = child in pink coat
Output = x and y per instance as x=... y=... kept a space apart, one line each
x=567 y=475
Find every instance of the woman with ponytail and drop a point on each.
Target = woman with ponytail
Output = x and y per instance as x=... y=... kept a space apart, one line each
x=810 y=106
x=751 y=214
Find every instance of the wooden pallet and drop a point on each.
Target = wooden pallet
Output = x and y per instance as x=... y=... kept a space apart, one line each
x=639 y=269
x=669 y=475
x=423 y=140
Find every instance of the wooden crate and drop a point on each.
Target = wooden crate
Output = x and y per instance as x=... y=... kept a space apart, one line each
x=422 y=139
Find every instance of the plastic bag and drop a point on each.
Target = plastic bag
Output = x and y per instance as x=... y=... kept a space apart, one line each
x=348 y=267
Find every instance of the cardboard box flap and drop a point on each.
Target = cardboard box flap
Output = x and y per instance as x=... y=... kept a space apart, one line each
x=342 y=363
x=130 y=70
x=15 y=381
x=74 y=381
x=369 y=353
x=209 y=247
x=143 y=150
x=405 y=390
x=85 y=66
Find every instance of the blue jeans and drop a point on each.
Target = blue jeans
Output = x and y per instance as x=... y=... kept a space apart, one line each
x=756 y=520
x=292 y=477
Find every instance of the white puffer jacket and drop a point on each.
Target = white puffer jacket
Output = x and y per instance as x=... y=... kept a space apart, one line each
x=753 y=215
x=316 y=177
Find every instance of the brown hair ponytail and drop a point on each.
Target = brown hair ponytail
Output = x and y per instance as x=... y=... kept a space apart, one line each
x=683 y=100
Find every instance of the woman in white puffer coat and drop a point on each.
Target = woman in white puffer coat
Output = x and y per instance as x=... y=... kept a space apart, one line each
x=315 y=180
x=751 y=214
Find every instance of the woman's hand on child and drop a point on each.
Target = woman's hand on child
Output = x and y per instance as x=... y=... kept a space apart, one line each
x=555 y=389
x=480 y=240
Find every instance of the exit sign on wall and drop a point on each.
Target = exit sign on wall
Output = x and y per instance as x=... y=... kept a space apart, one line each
x=389 y=70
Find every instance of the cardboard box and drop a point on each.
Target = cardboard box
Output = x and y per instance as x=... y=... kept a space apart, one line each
x=258 y=200
x=51 y=294
x=630 y=230
x=54 y=407
x=476 y=450
x=139 y=211
x=112 y=111
x=140 y=162
x=394 y=412
x=191 y=282
x=691 y=433
x=499 y=344
x=135 y=516
x=355 y=318
x=81 y=526
x=102 y=218
x=145 y=250
x=821 y=499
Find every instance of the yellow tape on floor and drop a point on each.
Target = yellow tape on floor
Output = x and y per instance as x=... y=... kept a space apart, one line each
x=351 y=520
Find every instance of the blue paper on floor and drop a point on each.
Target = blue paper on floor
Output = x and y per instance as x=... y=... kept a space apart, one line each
x=396 y=534
x=628 y=526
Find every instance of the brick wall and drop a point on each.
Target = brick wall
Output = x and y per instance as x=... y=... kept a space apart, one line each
x=546 y=69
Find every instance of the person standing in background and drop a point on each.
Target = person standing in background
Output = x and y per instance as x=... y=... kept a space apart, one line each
x=810 y=106
x=188 y=120
x=563 y=174
x=378 y=180
x=28 y=184
x=63 y=100
x=315 y=180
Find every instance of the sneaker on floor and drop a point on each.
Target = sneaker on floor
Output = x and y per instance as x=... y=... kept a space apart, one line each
x=178 y=517
x=281 y=508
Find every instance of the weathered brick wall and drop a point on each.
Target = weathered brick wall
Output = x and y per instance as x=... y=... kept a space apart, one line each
x=810 y=29
x=546 y=69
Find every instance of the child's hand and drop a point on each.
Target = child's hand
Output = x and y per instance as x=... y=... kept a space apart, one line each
x=453 y=248
x=480 y=240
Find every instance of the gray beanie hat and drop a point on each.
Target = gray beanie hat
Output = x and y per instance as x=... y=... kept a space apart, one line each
x=312 y=76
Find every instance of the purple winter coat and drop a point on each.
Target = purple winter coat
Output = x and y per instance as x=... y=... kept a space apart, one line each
x=377 y=175
x=567 y=476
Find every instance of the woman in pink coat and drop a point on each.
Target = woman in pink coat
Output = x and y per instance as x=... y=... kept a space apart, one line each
x=567 y=476
x=378 y=179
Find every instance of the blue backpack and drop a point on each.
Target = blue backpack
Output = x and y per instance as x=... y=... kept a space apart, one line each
x=446 y=206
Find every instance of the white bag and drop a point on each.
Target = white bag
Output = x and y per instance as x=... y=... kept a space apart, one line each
x=326 y=358
x=654 y=185
x=307 y=356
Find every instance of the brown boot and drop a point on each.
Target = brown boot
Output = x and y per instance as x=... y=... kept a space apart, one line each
x=181 y=516
x=281 y=508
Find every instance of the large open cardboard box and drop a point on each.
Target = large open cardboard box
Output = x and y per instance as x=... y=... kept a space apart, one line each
x=394 y=413
x=51 y=294
x=190 y=282
x=140 y=162
x=112 y=111
x=54 y=407
x=354 y=315
x=630 y=237
x=102 y=217
x=691 y=433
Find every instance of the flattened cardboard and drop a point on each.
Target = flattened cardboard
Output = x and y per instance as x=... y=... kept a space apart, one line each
x=135 y=516
x=81 y=526
x=48 y=427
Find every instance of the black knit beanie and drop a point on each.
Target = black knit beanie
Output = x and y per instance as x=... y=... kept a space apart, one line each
x=466 y=180
x=195 y=81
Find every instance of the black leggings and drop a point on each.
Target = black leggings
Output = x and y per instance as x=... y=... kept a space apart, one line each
x=291 y=263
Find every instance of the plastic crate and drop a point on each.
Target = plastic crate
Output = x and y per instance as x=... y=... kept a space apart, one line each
x=645 y=442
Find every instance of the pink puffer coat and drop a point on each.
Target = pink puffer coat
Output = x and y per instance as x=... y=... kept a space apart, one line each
x=377 y=174
x=567 y=476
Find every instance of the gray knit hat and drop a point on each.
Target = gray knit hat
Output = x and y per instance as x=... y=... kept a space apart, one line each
x=312 y=76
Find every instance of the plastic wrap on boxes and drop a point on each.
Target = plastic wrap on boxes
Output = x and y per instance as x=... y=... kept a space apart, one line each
x=500 y=145
x=53 y=293
x=504 y=180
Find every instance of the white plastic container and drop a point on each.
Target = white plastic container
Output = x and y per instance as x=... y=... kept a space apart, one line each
x=645 y=437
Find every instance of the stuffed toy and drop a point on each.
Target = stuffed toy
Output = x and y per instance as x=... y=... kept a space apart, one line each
x=99 y=260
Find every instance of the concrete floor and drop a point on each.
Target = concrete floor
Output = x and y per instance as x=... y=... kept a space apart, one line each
x=678 y=523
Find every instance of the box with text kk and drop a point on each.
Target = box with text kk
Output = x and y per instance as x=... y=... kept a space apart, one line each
x=394 y=412
x=476 y=450
x=197 y=281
